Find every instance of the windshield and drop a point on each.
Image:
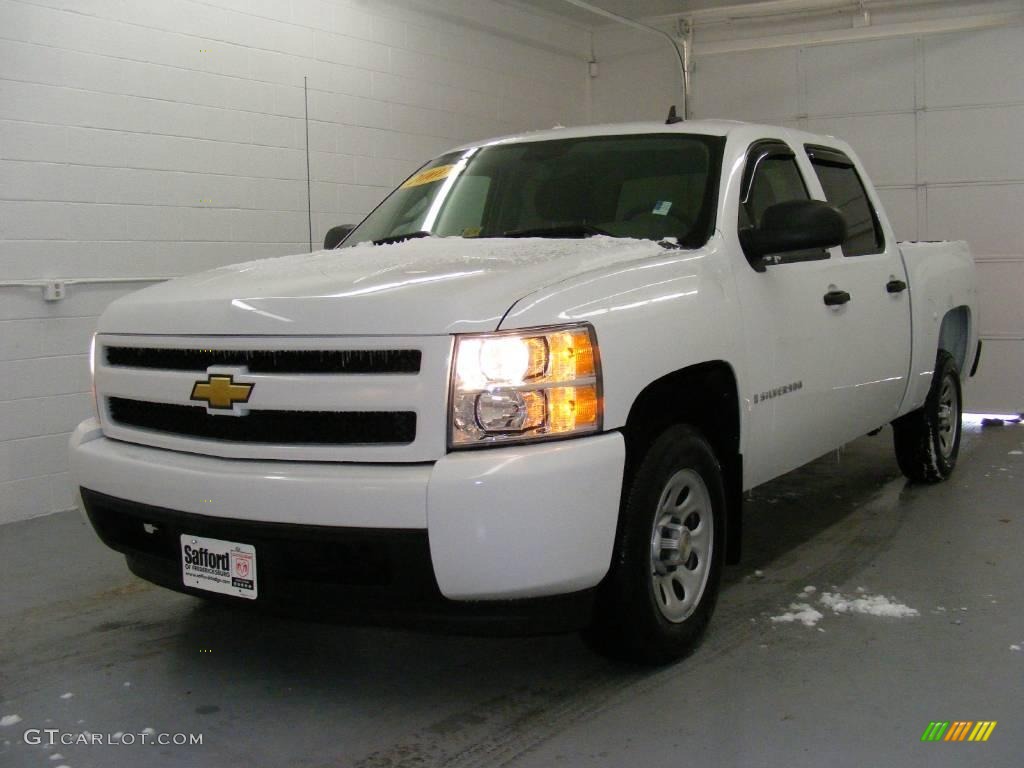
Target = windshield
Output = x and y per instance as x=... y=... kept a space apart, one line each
x=643 y=186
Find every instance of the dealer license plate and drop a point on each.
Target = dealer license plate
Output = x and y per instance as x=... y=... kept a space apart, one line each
x=226 y=567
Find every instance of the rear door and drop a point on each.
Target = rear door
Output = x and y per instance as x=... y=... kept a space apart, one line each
x=870 y=373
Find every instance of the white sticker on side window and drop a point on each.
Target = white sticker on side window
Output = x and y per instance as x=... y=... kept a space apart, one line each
x=662 y=207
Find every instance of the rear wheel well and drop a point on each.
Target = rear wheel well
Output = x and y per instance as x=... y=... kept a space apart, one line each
x=955 y=335
x=704 y=396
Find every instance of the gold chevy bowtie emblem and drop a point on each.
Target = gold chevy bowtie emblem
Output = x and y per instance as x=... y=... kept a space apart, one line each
x=221 y=391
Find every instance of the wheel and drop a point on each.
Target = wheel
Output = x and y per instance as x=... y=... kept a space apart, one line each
x=927 y=441
x=660 y=592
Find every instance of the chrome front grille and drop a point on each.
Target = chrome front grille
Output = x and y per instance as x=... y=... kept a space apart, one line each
x=367 y=399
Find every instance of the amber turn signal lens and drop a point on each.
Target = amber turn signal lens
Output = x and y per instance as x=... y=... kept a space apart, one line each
x=572 y=355
x=570 y=408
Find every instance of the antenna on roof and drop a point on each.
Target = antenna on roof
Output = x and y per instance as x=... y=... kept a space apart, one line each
x=672 y=116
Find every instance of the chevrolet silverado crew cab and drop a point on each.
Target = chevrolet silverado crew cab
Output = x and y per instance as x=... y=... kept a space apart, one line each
x=531 y=386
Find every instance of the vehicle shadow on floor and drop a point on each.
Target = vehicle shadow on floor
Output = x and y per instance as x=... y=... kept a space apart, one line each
x=793 y=509
x=779 y=516
x=441 y=698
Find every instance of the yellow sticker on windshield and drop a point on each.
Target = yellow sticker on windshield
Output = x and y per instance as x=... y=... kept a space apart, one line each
x=428 y=176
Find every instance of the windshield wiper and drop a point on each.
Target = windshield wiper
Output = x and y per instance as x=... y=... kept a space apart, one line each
x=400 y=238
x=562 y=230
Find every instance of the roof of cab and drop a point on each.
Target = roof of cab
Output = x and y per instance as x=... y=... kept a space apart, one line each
x=708 y=127
x=705 y=127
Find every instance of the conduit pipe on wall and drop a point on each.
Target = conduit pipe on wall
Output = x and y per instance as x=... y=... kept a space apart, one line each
x=767 y=9
x=857 y=34
x=680 y=50
x=862 y=27
x=55 y=288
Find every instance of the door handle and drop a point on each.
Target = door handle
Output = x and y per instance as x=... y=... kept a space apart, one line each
x=895 y=286
x=836 y=298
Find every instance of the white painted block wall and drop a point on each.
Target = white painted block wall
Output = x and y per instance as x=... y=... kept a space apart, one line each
x=144 y=138
x=938 y=120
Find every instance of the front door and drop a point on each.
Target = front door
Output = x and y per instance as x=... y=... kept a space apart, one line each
x=789 y=332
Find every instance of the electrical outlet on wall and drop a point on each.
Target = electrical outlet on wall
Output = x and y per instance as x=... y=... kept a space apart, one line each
x=54 y=290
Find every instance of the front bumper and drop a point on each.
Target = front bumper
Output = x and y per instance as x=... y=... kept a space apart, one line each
x=361 y=575
x=493 y=525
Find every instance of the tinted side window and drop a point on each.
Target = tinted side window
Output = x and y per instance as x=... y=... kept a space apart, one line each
x=844 y=189
x=776 y=179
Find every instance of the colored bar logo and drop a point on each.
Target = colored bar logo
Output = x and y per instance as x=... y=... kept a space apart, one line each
x=958 y=730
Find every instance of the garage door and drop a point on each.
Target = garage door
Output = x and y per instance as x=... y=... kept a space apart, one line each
x=915 y=109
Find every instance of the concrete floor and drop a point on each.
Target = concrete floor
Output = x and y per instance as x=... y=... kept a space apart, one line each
x=272 y=692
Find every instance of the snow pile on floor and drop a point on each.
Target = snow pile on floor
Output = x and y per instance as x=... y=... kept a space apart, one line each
x=801 y=612
x=873 y=605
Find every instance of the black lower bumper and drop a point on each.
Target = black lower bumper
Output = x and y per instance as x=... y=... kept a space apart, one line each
x=353 y=575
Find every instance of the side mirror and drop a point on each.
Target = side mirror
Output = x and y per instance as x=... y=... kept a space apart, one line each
x=335 y=235
x=794 y=225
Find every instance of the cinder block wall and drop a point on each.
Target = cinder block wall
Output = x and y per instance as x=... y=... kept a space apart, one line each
x=145 y=139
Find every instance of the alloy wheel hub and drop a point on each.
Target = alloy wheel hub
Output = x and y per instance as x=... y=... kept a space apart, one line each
x=681 y=545
x=948 y=417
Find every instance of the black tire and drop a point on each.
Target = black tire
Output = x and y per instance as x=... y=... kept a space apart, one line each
x=631 y=617
x=927 y=441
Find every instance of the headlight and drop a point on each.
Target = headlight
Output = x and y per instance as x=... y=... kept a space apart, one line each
x=525 y=385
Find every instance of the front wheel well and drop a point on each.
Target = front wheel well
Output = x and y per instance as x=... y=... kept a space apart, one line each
x=706 y=397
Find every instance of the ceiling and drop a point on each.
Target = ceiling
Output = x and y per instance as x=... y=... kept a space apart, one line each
x=633 y=9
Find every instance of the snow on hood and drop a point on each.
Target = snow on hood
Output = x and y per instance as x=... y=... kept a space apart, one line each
x=423 y=286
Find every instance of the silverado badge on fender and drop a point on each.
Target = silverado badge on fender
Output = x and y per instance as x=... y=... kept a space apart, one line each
x=220 y=391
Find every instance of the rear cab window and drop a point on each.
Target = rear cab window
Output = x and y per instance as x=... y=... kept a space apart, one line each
x=845 y=190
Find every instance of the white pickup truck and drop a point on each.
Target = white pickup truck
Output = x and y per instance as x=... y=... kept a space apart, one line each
x=532 y=385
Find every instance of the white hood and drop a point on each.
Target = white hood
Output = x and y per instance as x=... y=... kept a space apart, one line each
x=417 y=287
